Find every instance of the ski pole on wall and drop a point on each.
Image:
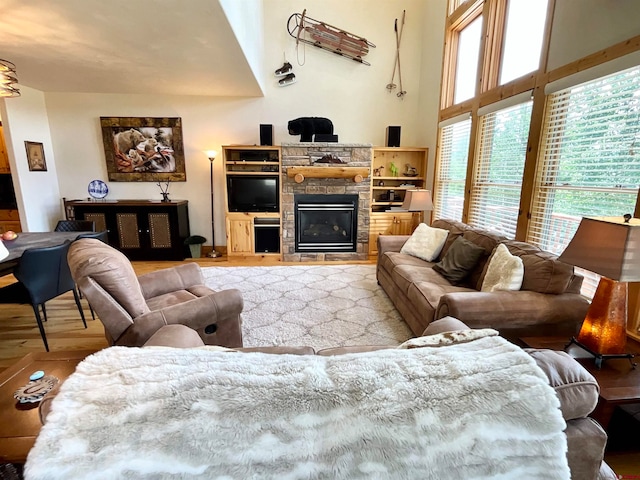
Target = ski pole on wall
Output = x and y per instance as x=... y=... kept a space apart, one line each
x=396 y=64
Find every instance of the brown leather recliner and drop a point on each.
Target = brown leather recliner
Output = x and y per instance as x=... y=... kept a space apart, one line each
x=133 y=308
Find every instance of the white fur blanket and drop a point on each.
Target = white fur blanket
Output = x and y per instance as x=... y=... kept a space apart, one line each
x=475 y=410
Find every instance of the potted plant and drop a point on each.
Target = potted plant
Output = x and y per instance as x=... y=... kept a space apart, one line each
x=195 y=245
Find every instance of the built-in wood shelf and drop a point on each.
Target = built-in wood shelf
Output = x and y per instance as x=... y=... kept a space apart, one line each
x=300 y=173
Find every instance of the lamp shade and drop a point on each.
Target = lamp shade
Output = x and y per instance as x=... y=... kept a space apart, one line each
x=608 y=246
x=417 y=201
x=211 y=154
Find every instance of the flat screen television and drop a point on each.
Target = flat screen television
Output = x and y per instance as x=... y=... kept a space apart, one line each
x=253 y=193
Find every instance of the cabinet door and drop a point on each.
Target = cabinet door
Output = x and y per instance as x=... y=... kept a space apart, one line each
x=9 y=220
x=403 y=225
x=388 y=224
x=128 y=230
x=239 y=236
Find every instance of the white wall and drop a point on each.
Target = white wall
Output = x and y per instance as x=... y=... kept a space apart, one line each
x=352 y=95
x=582 y=27
x=431 y=62
x=37 y=192
x=245 y=19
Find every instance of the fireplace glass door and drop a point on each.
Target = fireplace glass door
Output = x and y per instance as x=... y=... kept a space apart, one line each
x=326 y=223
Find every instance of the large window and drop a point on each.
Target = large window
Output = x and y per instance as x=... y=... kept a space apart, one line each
x=452 y=170
x=523 y=38
x=589 y=158
x=497 y=181
x=467 y=61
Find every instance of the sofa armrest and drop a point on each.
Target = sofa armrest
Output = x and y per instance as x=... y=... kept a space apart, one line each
x=512 y=309
x=220 y=308
x=168 y=280
x=391 y=243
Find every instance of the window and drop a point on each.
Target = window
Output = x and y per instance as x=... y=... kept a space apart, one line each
x=468 y=53
x=523 y=38
x=589 y=159
x=497 y=180
x=452 y=170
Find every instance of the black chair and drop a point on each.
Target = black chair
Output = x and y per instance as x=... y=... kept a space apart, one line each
x=75 y=226
x=43 y=274
x=102 y=236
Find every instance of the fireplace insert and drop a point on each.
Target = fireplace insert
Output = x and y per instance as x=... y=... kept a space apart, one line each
x=326 y=223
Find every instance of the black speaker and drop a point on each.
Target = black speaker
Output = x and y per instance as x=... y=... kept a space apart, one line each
x=393 y=136
x=266 y=134
x=325 y=137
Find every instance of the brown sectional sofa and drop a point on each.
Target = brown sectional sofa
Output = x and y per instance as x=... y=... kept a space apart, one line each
x=548 y=303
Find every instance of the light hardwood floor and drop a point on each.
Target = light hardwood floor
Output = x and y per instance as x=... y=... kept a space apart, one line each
x=19 y=334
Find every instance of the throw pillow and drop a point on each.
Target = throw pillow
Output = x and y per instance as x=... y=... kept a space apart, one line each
x=460 y=259
x=505 y=271
x=425 y=243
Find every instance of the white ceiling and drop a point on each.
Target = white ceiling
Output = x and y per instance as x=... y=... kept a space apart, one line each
x=180 y=47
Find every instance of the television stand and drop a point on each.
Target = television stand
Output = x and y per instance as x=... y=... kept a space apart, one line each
x=254 y=233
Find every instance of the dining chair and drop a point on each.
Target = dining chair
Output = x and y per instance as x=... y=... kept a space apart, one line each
x=75 y=226
x=102 y=236
x=43 y=274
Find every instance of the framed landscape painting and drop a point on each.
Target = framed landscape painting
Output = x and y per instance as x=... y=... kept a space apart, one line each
x=143 y=149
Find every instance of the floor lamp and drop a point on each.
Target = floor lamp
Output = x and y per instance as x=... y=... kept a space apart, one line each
x=610 y=247
x=211 y=154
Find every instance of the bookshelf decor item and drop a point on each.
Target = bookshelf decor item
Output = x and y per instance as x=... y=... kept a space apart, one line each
x=143 y=149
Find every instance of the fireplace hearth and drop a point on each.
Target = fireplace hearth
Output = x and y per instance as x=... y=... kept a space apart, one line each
x=326 y=223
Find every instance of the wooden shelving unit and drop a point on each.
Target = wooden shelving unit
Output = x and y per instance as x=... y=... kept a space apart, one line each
x=252 y=233
x=388 y=191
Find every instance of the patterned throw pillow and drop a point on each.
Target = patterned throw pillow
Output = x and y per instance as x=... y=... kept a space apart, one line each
x=425 y=243
x=505 y=271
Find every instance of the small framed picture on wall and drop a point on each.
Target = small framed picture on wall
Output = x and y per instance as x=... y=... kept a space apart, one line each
x=35 y=157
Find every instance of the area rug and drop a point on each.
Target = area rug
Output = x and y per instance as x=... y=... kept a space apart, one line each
x=316 y=305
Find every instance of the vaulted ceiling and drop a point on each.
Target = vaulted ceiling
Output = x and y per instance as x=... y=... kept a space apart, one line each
x=181 y=47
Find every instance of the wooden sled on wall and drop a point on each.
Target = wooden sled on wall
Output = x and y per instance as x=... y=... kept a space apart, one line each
x=327 y=37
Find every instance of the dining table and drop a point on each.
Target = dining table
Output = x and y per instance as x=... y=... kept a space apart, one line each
x=27 y=240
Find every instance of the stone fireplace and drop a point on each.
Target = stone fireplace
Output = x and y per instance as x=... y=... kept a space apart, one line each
x=334 y=221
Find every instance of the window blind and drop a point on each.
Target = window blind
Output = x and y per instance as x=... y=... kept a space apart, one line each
x=589 y=159
x=499 y=165
x=451 y=172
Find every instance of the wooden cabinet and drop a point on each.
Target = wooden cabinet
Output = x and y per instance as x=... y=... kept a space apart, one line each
x=400 y=223
x=9 y=220
x=395 y=170
x=141 y=229
x=4 y=156
x=255 y=232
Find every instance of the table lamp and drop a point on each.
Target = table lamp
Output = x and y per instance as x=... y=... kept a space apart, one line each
x=417 y=201
x=610 y=247
x=211 y=154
